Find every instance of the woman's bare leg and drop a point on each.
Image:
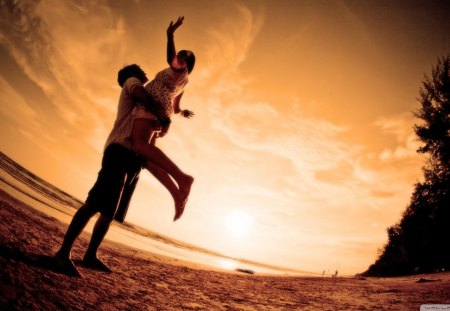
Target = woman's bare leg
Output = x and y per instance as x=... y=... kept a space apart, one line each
x=160 y=165
x=164 y=178
x=140 y=144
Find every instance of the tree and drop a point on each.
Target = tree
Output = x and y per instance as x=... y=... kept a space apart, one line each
x=420 y=242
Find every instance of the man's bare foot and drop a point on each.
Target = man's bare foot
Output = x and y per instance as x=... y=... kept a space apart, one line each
x=65 y=265
x=185 y=189
x=95 y=264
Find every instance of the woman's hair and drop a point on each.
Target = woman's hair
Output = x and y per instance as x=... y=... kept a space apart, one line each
x=130 y=71
x=190 y=59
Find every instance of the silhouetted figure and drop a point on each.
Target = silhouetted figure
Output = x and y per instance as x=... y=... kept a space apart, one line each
x=117 y=178
x=143 y=115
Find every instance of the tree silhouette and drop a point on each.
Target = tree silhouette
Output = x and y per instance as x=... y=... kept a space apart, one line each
x=420 y=242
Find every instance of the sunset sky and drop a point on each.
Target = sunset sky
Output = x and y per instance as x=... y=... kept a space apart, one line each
x=302 y=145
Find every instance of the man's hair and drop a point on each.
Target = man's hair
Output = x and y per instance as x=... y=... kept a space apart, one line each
x=130 y=71
x=190 y=60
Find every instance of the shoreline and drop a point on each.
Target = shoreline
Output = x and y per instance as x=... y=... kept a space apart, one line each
x=48 y=199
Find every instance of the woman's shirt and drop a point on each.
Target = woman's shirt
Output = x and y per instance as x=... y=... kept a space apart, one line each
x=165 y=86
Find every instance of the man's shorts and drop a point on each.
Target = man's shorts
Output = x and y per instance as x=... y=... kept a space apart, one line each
x=112 y=192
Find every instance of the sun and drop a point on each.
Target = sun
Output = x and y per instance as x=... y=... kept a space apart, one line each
x=238 y=223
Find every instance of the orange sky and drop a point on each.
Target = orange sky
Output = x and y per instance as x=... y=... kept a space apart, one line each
x=302 y=144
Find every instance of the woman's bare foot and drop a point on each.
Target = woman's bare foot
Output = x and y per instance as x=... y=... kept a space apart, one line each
x=185 y=189
x=179 y=206
x=179 y=209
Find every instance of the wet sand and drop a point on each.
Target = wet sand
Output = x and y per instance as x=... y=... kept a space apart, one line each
x=146 y=281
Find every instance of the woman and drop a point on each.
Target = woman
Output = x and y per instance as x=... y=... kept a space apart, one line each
x=166 y=88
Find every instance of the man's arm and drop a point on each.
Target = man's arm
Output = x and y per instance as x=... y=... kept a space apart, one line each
x=140 y=95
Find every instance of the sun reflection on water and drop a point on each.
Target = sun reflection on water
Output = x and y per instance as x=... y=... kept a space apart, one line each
x=228 y=264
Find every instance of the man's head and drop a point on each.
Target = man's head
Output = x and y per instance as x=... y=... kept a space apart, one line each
x=131 y=71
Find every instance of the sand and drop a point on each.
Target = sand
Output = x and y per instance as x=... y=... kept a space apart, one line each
x=145 y=281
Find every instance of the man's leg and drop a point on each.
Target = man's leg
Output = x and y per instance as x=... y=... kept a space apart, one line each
x=79 y=221
x=90 y=259
x=115 y=171
x=127 y=193
x=116 y=184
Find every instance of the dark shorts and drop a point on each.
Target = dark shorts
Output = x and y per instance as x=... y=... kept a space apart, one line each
x=116 y=181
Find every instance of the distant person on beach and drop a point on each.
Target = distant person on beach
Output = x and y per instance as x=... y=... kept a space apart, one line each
x=166 y=88
x=116 y=181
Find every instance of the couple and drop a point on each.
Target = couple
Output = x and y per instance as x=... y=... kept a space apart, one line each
x=143 y=115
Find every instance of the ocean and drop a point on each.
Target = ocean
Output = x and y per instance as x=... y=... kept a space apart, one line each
x=45 y=197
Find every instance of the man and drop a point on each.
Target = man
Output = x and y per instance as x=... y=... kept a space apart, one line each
x=111 y=193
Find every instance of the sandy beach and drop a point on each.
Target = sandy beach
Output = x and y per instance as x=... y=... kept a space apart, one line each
x=146 y=281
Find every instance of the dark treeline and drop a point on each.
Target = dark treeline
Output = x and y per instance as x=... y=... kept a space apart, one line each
x=420 y=242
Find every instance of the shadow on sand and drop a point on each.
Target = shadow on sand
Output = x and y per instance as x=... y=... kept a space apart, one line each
x=41 y=261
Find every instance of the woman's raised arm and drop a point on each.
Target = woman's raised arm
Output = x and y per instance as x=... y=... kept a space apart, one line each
x=171 y=51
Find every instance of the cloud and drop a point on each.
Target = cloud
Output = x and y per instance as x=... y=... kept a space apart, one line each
x=69 y=50
x=296 y=174
x=400 y=128
x=308 y=143
x=330 y=179
x=311 y=163
x=408 y=150
x=251 y=125
x=227 y=45
x=399 y=125
x=16 y=109
x=82 y=61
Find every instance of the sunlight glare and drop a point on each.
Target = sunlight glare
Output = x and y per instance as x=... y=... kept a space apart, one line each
x=238 y=223
x=228 y=264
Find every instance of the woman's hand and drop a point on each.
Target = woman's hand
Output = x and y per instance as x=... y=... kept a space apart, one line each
x=187 y=113
x=172 y=27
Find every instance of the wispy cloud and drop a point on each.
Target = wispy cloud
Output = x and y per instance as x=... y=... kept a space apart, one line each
x=296 y=174
x=20 y=112
x=64 y=48
x=400 y=128
x=229 y=41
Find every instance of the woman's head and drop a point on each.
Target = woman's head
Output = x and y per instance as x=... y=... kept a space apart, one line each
x=131 y=71
x=188 y=57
